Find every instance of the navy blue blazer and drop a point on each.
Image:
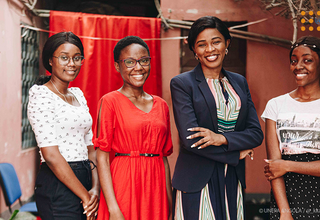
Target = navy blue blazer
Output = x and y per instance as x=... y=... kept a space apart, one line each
x=194 y=106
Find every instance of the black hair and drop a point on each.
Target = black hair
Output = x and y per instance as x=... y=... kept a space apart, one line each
x=203 y=23
x=51 y=46
x=126 y=41
x=42 y=79
x=309 y=41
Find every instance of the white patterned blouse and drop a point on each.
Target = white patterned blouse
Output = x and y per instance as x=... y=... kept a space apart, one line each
x=56 y=122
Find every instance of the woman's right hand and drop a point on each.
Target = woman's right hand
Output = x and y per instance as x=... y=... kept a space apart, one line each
x=245 y=153
x=116 y=215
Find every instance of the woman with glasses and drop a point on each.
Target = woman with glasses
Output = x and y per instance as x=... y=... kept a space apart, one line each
x=66 y=187
x=136 y=126
x=218 y=127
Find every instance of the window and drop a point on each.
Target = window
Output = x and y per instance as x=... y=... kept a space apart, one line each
x=30 y=71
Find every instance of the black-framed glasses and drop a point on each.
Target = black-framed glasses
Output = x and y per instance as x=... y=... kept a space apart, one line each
x=130 y=62
x=64 y=60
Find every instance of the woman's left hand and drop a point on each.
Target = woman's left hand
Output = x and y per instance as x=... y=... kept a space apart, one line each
x=275 y=168
x=91 y=208
x=209 y=138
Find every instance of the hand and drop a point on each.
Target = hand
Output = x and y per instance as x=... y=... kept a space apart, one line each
x=209 y=138
x=91 y=208
x=92 y=217
x=116 y=215
x=275 y=168
x=245 y=153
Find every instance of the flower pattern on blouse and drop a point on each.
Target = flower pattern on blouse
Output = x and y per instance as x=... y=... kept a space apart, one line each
x=56 y=122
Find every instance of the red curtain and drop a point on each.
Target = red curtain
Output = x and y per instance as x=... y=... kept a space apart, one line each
x=98 y=75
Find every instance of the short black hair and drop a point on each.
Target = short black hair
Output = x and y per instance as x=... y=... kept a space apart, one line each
x=309 y=41
x=54 y=42
x=126 y=41
x=203 y=23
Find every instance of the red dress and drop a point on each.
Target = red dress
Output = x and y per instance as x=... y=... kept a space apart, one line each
x=139 y=182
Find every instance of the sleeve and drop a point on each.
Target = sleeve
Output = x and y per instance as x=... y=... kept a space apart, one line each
x=168 y=148
x=185 y=118
x=89 y=135
x=41 y=114
x=105 y=125
x=270 y=112
x=252 y=135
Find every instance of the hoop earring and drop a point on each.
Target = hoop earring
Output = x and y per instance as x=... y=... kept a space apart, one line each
x=227 y=51
x=196 y=57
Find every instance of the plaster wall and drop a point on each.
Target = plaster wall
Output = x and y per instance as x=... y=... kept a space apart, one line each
x=267 y=67
x=24 y=161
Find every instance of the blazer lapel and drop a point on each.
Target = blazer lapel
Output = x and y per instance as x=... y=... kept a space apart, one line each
x=206 y=92
x=241 y=94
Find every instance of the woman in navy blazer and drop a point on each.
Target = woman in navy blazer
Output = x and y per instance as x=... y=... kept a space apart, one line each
x=218 y=127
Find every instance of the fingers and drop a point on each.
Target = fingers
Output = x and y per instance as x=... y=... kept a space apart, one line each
x=204 y=145
x=91 y=208
x=268 y=175
x=270 y=178
x=250 y=154
x=245 y=153
x=91 y=201
x=197 y=129
x=201 y=142
x=202 y=132
x=199 y=134
x=92 y=217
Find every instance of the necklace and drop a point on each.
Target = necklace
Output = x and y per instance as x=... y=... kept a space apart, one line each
x=58 y=91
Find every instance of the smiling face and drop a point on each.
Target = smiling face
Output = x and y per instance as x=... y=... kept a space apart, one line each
x=305 y=66
x=137 y=75
x=210 y=47
x=69 y=72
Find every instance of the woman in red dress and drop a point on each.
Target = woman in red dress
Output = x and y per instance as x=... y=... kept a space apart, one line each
x=136 y=185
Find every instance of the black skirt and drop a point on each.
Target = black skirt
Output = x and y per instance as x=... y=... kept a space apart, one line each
x=303 y=191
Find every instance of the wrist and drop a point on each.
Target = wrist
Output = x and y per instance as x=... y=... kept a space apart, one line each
x=85 y=198
x=287 y=165
x=224 y=140
x=285 y=211
x=114 y=209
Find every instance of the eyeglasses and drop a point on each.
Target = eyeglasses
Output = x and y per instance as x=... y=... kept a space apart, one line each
x=130 y=62
x=64 y=60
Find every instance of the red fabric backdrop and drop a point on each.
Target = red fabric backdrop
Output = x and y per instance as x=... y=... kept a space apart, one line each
x=98 y=75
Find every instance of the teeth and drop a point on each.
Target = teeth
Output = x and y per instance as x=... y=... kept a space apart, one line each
x=301 y=74
x=138 y=77
x=212 y=57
